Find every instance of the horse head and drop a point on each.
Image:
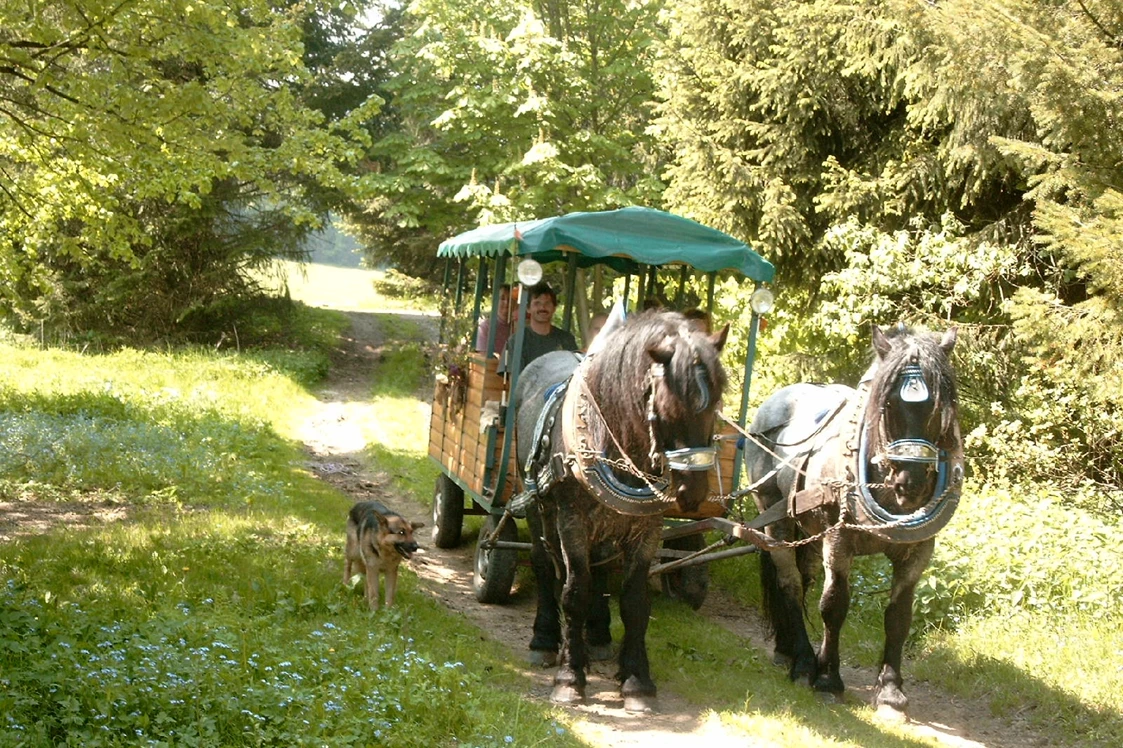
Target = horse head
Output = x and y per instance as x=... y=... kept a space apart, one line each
x=911 y=414
x=685 y=384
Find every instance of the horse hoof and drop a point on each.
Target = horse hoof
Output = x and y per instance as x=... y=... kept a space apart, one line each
x=889 y=713
x=600 y=652
x=543 y=658
x=567 y=694
x=639 y=703
x=828 y=697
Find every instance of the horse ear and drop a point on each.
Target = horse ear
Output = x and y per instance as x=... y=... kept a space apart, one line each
x=948 y=341
x=718 y=338
x=881 y=343
x=661 y=349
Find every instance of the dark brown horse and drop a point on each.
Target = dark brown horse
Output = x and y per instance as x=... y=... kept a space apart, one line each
x=633 y=435
x=872 y=470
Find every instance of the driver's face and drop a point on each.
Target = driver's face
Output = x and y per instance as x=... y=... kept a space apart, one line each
x=542 y=308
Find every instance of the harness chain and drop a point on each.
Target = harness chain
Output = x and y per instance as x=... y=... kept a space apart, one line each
x=835 y=485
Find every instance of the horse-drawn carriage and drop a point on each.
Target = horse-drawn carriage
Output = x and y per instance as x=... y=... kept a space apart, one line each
x=610 y=456
x=472 y=429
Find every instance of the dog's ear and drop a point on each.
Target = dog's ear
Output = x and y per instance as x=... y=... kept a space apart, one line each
x=383 y=521
x=417 y=525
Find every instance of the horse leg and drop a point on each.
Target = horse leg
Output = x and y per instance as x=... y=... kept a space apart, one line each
x=569 y=682
x=783 y=592
x=634 y=675
x=834 y=604
x=598 y=626
x=547 y=621
x=889 y=698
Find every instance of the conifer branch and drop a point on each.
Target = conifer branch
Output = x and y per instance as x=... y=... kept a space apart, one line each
x=1112 y=38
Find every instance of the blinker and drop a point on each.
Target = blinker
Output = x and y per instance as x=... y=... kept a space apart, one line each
x=913 y=388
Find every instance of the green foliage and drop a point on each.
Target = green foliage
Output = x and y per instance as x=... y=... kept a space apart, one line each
x=1011 y=549
x=148 y=427
x=512 y=111
x=397 y=285
x=144 y=173
x=935 y=164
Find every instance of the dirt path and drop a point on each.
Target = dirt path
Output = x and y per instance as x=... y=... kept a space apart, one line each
x=335 y=445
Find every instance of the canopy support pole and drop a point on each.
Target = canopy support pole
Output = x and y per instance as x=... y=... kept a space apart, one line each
x=444 y=295
x=570 y=278
x=750 y=354
x=459 y=285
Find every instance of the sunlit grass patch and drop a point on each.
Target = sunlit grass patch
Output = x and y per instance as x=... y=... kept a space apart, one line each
x=353 y=289
x=398 y=440
x=1064 y=675
x=191 y=427
x=713 y=667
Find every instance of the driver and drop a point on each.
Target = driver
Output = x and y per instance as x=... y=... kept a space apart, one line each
x=541 y=335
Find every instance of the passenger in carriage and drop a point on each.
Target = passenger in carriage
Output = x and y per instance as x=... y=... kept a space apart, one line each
x=541 y=335
x=595 y=325
x=503 y=322
x=698 y=320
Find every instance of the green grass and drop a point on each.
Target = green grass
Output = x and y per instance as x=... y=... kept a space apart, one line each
x=398 y=441
x=215 y=615
x=355 y=290
x=1018 y=611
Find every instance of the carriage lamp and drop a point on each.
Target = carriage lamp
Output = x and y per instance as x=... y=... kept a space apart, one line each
x=762 y=301
x=530 y=272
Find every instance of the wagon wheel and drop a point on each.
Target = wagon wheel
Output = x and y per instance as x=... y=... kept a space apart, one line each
x=691 y=583
x=495 y=568
x=448 y=512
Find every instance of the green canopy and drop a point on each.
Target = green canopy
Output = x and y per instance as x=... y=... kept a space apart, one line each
x=619 y=238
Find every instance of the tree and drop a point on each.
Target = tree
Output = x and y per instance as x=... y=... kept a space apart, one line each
x=511 y=111
x=141 y=142
x=927 y=161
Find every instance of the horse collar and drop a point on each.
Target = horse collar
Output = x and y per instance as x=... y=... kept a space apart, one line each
x=858 y=503
x=593 y=471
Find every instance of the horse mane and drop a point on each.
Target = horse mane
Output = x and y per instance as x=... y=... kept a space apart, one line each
x=920 y=349
x=617 y=378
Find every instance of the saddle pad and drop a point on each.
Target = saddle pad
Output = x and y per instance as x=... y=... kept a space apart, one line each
x=799 y=409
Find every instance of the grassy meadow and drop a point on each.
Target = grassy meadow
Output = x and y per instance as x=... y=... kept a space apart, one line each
x=214 y=615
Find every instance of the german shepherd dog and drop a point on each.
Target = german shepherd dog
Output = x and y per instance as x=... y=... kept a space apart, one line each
x=377 y=541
